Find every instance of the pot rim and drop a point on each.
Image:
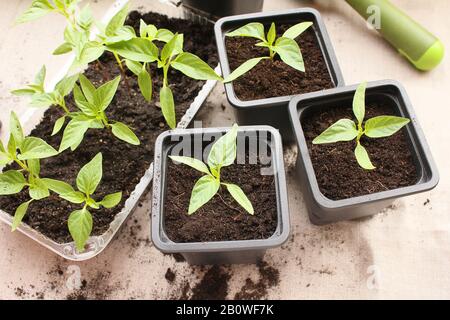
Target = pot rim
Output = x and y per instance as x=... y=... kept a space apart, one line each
x=415 y=134
x=277 y=239
x=322 y=37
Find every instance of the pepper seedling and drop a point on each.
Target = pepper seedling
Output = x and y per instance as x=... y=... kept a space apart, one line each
x=92 y=103
x=149 y=32
x=41 y=98
x=285 y=46
x=88 y=178
x=26 y=152
x=348 y=130
x=222 y=154
x=171 y=56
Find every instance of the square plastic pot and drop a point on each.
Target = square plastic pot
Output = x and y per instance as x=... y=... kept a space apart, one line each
x=273 y=111
x=32 y=117
x=323 y=210
x=219 y=252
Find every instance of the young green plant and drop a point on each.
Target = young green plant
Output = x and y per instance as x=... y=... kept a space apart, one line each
x=222 y=154
x=40 y=98
x=143 y=50
x=92 y=103
x=348 y=130
x=88 y=178
x=285 y=46
x=26 y=152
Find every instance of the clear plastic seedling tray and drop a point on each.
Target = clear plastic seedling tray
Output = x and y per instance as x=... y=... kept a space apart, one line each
x=32 y=117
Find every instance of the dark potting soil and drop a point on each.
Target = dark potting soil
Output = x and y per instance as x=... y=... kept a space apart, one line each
x=338 y=174
x=275 y=78
x=123 y=164
x=221 y=218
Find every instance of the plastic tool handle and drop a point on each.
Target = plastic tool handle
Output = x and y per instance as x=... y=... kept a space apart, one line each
x=417 y=44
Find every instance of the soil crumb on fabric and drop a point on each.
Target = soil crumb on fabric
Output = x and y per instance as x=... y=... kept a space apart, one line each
x=213 y=285
x=268 y=277
x=170 y=275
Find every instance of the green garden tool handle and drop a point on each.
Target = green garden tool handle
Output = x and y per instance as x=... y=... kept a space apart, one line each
x=418 y=45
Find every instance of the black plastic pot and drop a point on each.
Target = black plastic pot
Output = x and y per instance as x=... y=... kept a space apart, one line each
x=272 y=111
x=225 y=7
x=323 y=210
x=220 y=252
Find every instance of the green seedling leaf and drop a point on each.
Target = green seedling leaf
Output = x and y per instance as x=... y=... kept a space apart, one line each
x=363 y=157
x=85 y=19
x=296 y=30
x=290 y=53
x=81 y=102
x=194 y=67
x=38 y=190
x=167 y=106
x=19 y=214
x=73 y=134
x=134 y=66
x=125 y=33
x=91 y=51
x=111 y=200
x=271 y=34
x=192 y=162
x=117 y=21
x=42 y=100
x=90 y=175
x=239 y=195
x=88 y=89
x=205 y=188
x=65 y=86
x=243 y=68
x=58 y=125
x=38 y=9
x=123 y=132
x=384 y=126
x=63 y=49
x=74 y=196
x=39 y=79
x=35 y=148
x=11 y=182
x=223 y=152
x=145 y=84
x=60 y=187
x=12 y=147
x=253 y=30
x=16 y=129
x=341 y=130
x=359 y=106
x=34 y=165
x=164 y=35
x=23 y=92
x=137 y=49
x=105 y=93
x=173 y=47
x=80 y=227
x=5 y=158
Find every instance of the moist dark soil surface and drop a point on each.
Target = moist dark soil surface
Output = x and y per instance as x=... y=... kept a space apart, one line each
x=274 y=78
x=221 y=218
x=338 y=174
x=123 y=164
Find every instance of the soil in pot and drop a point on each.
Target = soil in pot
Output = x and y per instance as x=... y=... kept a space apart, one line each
x=221 y=219
x=123 y=164
x=274 y=78
x=338 y=174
